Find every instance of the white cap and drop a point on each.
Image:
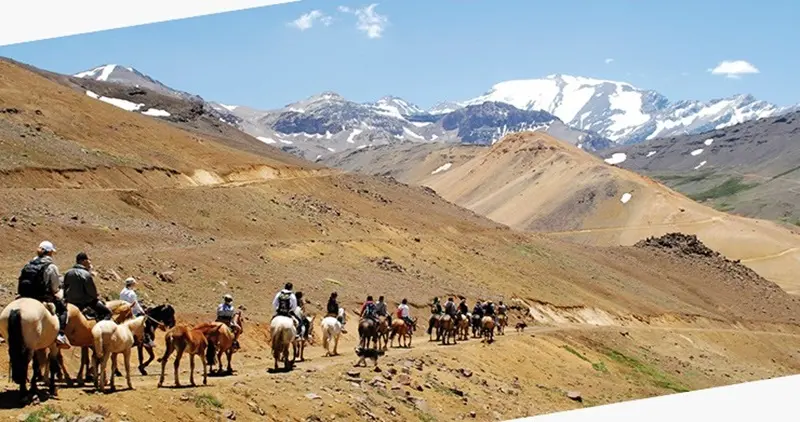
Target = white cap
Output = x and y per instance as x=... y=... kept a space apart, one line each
x=47 y=246
x=130 y=281
x=227 y=297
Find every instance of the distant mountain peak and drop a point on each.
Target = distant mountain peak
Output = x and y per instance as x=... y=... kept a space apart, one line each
x=102 y=73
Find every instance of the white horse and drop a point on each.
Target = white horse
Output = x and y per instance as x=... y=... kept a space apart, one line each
x=282 y=332
x=29 y=327
x=332 y=329
x=110 y=340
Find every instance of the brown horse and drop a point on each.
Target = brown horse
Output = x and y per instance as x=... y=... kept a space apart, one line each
x=383 y=332
x=502 y=321
x=487 y=328
x=462 y=326
x=447 y=329
x=401 y=329
x=223 y=344
x=192 y=340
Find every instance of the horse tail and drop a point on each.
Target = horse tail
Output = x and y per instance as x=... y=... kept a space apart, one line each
x=100 y=342
x=326 y=332
x=211 y=352
x=17 y=351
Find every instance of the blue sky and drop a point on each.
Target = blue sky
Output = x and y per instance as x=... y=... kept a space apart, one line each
x=432 y=50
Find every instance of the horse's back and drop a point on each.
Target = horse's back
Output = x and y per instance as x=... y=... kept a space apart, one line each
x=38 y=323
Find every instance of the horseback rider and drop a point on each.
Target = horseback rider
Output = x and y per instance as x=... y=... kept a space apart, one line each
x=488 y=310
x=381 y=311
x=463 y=308
x=80 y=290
x=39 y=279
x=436 y=311
x=333 y=309
x=128 y=294
x=225 y=313
x=301 y=315
x=369 y=310
x=477 y=313
x=285 y=303
x=501 y=309
x=450 y=308
x=404 y=313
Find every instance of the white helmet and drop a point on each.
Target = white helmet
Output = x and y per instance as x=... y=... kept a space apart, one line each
x=228 y=298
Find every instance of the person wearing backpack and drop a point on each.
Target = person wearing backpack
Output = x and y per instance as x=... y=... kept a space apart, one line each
x=80 y=290
x=39 y=279
x=285 y=303
x=368 y=310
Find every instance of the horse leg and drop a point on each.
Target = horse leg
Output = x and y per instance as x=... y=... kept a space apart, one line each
x=114 y=370
x=163 y=360
x=205 y=371
x=229 y=352
x=177 y=365
x=139 y=348
x=336 y=345
x=55 y=353
x=127 y=356
x=191 y=368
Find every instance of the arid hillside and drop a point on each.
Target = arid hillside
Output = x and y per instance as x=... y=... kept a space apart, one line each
x=533 y=182
x=194 y=216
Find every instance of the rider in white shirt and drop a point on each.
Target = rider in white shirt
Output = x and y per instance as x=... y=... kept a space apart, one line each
x=128 y=294
x=403 y=312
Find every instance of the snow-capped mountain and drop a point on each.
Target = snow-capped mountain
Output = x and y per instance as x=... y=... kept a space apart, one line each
x=328 y=123
x=131 y=81
x=129 y=76
x=396 y=107
x=621 y=112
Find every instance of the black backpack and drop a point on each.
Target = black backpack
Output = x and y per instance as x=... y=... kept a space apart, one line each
x=284 y=302
x=31 y=279
x=369 y=311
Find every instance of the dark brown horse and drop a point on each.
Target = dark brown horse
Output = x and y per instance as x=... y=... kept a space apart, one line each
x=368 y=331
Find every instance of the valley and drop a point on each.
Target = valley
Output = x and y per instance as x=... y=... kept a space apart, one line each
x=194 y=208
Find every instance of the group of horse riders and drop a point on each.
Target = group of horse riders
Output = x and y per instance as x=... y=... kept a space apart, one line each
x=40 y=280
x=480 y=310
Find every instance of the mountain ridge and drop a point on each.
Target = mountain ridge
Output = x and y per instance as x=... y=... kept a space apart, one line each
x=594 y=114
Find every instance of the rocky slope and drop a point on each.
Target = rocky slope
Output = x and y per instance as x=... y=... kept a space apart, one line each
x=534 y=182
x=749 y=169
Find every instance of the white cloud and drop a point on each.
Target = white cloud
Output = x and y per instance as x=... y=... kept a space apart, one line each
x=308 y=20
x=608 y=61
x=734 y=69
x=369 y=21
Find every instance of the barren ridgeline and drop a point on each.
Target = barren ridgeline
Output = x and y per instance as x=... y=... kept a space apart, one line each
x=195 y=215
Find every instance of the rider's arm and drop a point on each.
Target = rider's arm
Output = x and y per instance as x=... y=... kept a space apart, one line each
x=53 y=278
x=91 y=289
x=275 y=301
x=292 y=301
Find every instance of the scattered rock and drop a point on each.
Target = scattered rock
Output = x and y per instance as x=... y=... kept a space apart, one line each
x=167 y=276
x=387 y=264
x=473 y=415
x=575 y=395
x=353 y=374
x=312 y=396
x=185 y=397
x=23 y=417
x=230 y=415
x=466 y=372
x=403 y=379
x=92 y=418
